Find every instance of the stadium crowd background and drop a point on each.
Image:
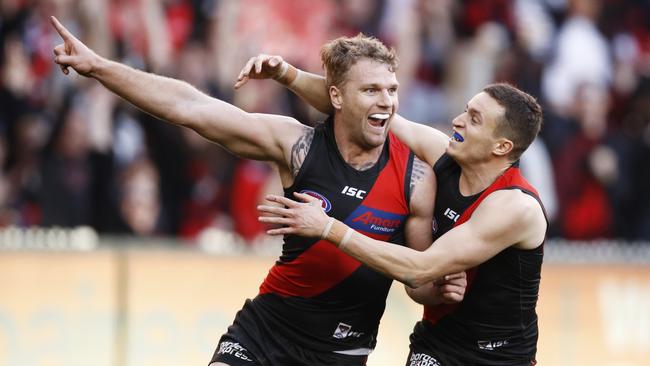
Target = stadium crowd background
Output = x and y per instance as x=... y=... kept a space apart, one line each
x=72 y=154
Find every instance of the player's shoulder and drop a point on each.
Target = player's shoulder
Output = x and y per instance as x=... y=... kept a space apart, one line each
x=288 y=130
x=515 y=204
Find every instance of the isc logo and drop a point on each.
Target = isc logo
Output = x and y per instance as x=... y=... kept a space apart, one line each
x=452 y=214
x=354 y=192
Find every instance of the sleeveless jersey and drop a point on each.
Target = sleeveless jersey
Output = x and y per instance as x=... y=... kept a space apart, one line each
x=496 y=323
x=316 y=295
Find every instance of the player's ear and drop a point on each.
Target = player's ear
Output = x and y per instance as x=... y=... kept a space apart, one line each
x=503 y=147
x=335 y=97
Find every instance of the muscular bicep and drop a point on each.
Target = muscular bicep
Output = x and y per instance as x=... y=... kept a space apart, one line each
x=419 y=224
x=248 y=135
x=427 y=142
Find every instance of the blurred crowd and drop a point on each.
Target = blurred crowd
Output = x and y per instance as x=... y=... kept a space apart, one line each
x=73 y=154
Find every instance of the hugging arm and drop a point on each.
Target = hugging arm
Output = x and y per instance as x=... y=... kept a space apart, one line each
x=490 y=230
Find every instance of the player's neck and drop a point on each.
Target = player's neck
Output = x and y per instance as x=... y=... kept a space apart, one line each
x=356 y=155
x=475 y=178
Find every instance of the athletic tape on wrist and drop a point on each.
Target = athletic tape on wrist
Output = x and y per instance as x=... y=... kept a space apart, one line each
x=327 y=228
x=298 y=73
x=284 y=67
x=346 y=237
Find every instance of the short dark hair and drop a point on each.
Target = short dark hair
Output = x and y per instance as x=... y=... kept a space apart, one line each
x=522 y=119
x=340 y=54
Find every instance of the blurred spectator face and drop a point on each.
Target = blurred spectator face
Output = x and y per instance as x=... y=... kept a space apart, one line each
x=31 y=135
x=192 y=65
x=9 y=7
x=592 y=108
x=16 y=75
x=73 y=141
x=357 y=13
x=586 y=8
x=433 y=8
x=140 y=204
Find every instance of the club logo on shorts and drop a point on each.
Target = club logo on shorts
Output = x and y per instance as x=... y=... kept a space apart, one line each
x=491 y=345
x=342 y=330
x=327 y=206
x=345 y=330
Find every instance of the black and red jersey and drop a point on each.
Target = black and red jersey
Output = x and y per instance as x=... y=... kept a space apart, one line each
x=315 y=295
x=496 y=323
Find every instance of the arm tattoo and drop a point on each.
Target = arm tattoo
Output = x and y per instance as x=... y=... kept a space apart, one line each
x=300 y=149
x=418 y=171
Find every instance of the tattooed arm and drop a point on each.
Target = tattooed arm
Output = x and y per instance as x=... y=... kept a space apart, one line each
x=451 y=288
x=423 y=191
x=300 y=149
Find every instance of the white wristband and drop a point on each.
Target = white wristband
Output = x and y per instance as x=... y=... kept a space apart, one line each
x=327 y=228
x=293 y=82
x=346 y=237
x=284 y=67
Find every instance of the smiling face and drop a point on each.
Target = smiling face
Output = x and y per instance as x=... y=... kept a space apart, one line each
x=474 y=139
x=366 y=102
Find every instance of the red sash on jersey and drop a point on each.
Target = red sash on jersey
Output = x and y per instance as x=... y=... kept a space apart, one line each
x=323 y=265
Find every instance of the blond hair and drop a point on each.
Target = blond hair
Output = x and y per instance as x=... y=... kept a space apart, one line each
x=340 y=54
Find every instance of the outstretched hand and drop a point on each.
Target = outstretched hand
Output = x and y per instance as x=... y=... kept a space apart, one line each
x=261 y=67
x=304 y=217
x=72 y=52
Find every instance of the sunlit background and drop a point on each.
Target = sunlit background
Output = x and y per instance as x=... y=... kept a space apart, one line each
x=126 y=241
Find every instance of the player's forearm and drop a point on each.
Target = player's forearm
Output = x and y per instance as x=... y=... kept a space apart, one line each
x=406 y=265
x=427 y=143
x=310 y=87
x=160 y=96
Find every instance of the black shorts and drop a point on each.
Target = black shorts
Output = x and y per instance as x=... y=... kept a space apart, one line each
x=254 y=345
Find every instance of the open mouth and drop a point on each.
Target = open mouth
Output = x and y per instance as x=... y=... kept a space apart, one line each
x=457 y=137
x=378 y=119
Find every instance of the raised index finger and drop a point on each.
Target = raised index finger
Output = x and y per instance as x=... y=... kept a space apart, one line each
x=63 y=32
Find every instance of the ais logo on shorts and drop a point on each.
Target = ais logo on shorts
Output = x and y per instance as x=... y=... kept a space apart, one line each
x=375 y=221
x=327 y=206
